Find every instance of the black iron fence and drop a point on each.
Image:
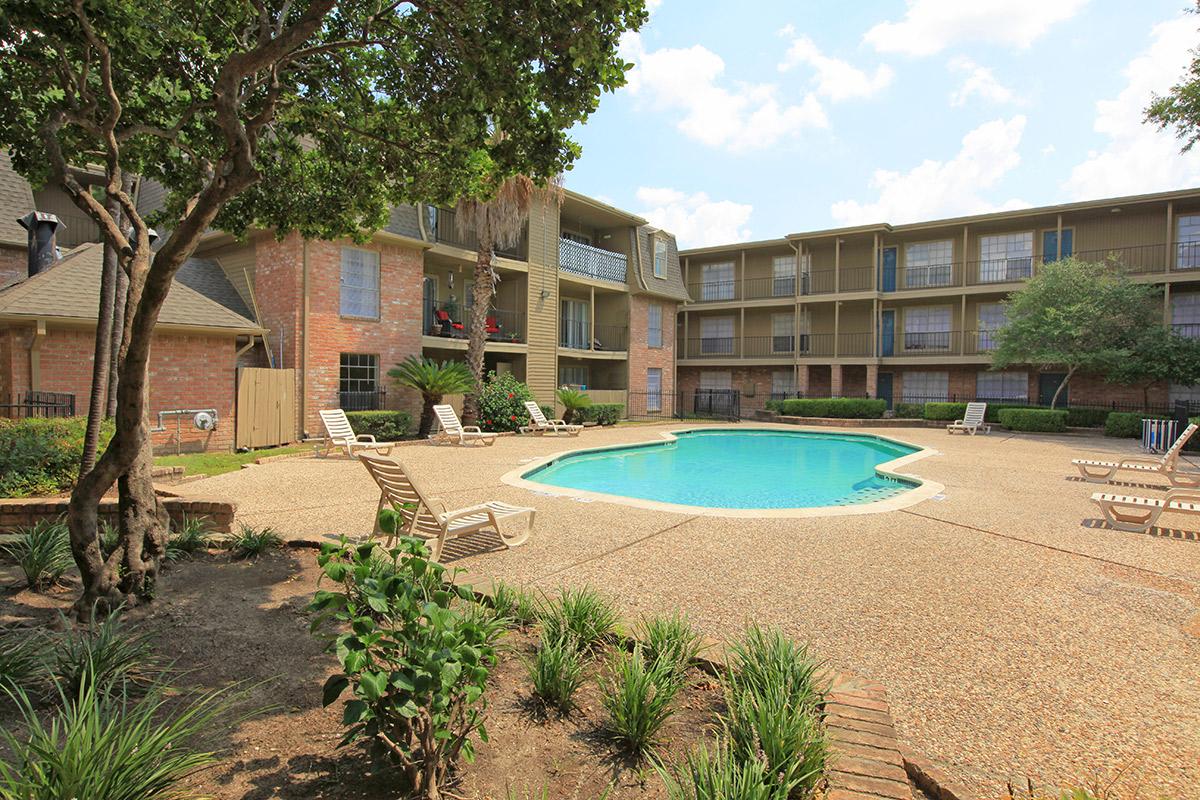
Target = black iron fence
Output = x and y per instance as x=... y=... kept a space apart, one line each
x=39 y=404
x=710 y=404
x=375 y=400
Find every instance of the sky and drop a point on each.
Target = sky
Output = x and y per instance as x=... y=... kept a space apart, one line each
x=795 y=115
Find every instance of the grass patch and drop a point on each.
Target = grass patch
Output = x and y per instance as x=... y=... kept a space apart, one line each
x=516 y=606
x=556 y=671
x=43 y=553
x=251 y=542
x=108 y=655
x=219 y=463
x=637 y=695
x=670 y=641
x=581 y=614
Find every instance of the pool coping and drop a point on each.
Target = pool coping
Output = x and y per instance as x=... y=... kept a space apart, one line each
x=923 y=490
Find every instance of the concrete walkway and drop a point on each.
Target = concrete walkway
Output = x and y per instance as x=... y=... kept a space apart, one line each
x=1016 y=635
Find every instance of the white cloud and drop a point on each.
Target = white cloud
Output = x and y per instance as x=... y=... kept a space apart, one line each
x=979 y=81
x=695 y=219
x=1048 y=150
x=836 y=79
x=930 y=26
x=1139 y=157
x=729 y=115
x=934 y=189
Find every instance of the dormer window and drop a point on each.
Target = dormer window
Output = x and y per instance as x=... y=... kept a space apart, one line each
x=660 y=258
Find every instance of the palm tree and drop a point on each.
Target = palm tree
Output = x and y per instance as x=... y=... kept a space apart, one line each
x=432 y=379
x=573 y=400
x=495 y=222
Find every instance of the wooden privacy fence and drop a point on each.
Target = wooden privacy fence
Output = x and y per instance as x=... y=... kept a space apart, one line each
x=266 y=407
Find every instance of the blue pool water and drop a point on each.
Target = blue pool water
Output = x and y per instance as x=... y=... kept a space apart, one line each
x=736 y=469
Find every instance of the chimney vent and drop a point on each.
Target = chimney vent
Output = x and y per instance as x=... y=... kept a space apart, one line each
x=43 y=249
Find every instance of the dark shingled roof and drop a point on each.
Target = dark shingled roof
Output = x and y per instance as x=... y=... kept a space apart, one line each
x=207 y=278
x=16 y=200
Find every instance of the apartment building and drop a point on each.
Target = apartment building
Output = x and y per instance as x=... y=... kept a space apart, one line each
x=587 y=298
x=908 y=312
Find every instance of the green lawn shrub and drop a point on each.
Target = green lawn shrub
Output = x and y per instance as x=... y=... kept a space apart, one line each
x=385 y=426
x=41 y=456
x=502 y=403
x=910 y=410
x=1036 y=420
x=836 y=407
x=601 y=413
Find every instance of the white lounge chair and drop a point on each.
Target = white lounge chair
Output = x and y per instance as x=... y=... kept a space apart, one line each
x=339 y=433
x=428 y=517
x=1166 y=465
x=539 y=424
x=454 y=432
x=972 y=421
x=1139 y=513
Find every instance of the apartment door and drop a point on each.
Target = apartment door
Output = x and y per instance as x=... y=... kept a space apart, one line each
x=1048 y=384
x=883 y=387
x=887 y=269
x=1050 y=244
x=887 y=331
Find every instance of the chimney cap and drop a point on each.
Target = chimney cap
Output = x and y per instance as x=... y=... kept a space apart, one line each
x=34 y=217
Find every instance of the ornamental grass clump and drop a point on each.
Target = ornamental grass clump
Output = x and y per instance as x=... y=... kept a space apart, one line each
x=42 y=551
x=516 y=606
x=671 y=641
x=414 y=659
x=107 y=653
x=582 y=614
x=250 y=542
x=190 y=537
x=24 y=659
x=556 y=671
x=637 y=695
x=718 y=774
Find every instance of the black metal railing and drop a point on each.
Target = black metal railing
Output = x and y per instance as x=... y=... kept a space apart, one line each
x=1000 y=270
x=443 y=227
x=929 y=343
x=581 y=335
x=369 y=400
x=856 y=279
x=1190 y=330
x=591 y=262
x=38 y=404
x=818 y=281
x=929 y=276
x=856 y=344
x=714 y=291
x=451 y=321
x=719 y=404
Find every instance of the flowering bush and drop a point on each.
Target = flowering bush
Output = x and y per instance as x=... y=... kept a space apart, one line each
x=501 y=403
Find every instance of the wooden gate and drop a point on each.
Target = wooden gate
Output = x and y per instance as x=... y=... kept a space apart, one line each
x=266 y=407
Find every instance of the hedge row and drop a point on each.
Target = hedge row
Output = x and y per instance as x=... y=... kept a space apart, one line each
x=600 y=413
x=1040 y=420
x=41 y=456
x=385 y=426
x=837 y=407
x=1126 y=425
x=1076 y=417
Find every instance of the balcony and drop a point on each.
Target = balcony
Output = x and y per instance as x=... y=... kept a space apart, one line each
x=1189 y=330
x=926 y=276
x=443 y=228
x=720 y=291
x=574 y=335
x=591 y=262
x=447 y=321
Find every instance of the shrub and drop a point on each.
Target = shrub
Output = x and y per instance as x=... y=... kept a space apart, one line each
x=1089 y=417
x=385 y=426
x=670 y=641
x=945 y=411
x=573 y=402
x=601 y=413
x=251 y=542
x=43 y=552
x=582 y=615
x=1041 y=420
x=41 y=456
x=189 y=538
x=517 y=607
x=502 y=403
x=24 y=659
x=107 y=655
x=556 y=671
x=637 y=695
x=721 y=775
x=416 y=664
x=838 y=407
x=910 y=410
x=763 y=659
x=111 y=746
x=1124 y=425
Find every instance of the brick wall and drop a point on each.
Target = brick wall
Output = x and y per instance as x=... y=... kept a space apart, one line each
x=14 y=264
x=391 y=338
x=1084 y=389
x=188 y=371
x=643 y=357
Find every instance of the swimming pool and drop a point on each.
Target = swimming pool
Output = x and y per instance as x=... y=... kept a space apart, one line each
x=735 y=469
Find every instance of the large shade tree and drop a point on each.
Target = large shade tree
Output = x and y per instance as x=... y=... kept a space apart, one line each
x=1159 y=355
x=296 y=115
x=1078 y=316
x=1179 y=108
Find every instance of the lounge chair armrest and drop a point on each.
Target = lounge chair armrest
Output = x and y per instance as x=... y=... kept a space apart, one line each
x=1182 y=496
x=437 y=506
x=557 y=422
x=450 y=516
x=1142 y=460
x=472 y=429
x=365 y=437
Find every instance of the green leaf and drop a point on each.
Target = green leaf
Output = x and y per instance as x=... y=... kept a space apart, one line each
x=334 y=686
x=373 y=685
x=355 y=711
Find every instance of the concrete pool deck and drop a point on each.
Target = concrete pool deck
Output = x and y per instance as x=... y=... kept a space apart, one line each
x=1017 y=636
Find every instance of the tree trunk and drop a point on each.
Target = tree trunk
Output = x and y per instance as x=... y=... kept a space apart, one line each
x=144 y=525
x=426 y=424
x=118 y=331
x=481 y=301
x=1066 y=379
x=102 y=354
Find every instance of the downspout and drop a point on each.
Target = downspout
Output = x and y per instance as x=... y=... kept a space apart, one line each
x=35 y=356
x=242 y=350
x=304 y=338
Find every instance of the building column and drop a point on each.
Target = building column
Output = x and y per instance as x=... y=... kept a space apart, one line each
x=835 y=380
x=872 y=379
x=802 y=380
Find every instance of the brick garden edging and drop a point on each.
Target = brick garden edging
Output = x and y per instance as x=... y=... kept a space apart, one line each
x=16 y=512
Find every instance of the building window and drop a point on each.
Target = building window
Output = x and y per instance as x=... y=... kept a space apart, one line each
x=1187 y=239
x=996 y=386
x=927 y=328
x=928 y=264
x=358 y=382
x=716 y=336
x=654 y=389
x=783 y=270
x=576 y=376
x=783 y=333
x=575 y=324
x=360 y=283
x=717 y=281
x=924 y=387
x=660 y=258
x=783 y=384
x=1006 y=257
x=992 y=317
x=1185 y=314
x=654 y=326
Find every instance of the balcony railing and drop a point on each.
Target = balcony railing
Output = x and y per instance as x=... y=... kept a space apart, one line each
x=716 y=291
x=856 y=344
x=929 y=276
x=450 y=321
x=591 y=262
x=369 y=400
x=574 y=334
x=443 y=227
x=980 y=342
x=1189 y=329
x=999 y=270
